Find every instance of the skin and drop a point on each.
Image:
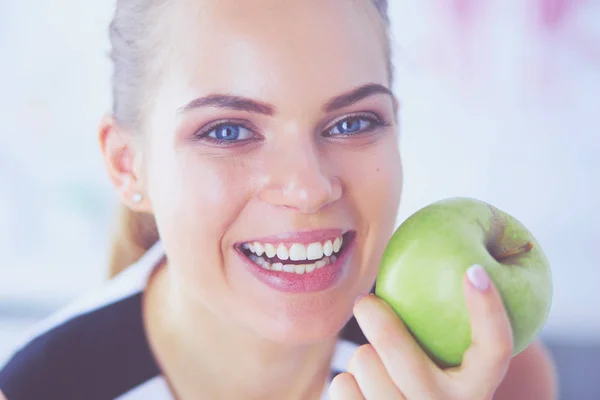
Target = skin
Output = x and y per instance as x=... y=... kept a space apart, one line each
x=202 y=308
x=293 y=178
x=392 y=366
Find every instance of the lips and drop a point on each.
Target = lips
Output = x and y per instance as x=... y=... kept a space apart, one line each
x=298 y=261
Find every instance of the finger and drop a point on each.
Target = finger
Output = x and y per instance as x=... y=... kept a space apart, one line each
x=372 y=377
x=407 y=364
x=344 y=387
x=486 y=361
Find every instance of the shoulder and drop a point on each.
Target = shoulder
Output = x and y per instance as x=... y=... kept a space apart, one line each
x=94 y=348
x=107 y=343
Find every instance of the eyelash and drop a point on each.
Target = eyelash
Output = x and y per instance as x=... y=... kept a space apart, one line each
x=374 y=122
x=203 y=133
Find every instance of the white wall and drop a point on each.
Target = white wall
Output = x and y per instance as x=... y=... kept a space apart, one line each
x=508 y=115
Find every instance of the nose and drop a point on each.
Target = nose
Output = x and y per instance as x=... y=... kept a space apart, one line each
x=297 y=180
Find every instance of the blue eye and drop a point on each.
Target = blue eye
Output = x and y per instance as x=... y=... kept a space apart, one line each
x=352 y=125
x=230 y=133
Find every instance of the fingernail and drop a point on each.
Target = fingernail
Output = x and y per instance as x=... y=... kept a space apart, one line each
x=478 y=277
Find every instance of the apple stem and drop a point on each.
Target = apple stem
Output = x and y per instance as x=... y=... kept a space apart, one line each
x=516 y=251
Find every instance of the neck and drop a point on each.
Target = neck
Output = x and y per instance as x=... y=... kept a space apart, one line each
x=202 y=353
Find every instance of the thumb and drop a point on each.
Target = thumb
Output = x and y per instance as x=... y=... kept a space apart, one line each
x=487 y=359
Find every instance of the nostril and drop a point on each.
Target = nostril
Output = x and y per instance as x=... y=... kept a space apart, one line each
x=302 y=195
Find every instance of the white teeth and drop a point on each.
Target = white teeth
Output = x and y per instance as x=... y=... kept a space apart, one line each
x=314 y=251
x=258 y=249
x=297 y=252
x=328 y=248
x=282 y=252
x=337 y=244
x=270 y=250
x=289 y=268
x=321 y=253
x=292 y=268
x=277 y=267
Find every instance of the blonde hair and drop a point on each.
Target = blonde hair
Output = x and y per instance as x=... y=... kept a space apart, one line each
x=134 y=46
x=133 y=235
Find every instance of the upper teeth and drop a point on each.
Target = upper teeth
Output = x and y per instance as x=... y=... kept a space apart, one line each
x=297 y=251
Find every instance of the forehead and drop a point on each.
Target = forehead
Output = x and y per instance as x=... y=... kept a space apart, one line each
x=268 y=49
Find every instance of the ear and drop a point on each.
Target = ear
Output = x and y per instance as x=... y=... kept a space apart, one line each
x=122 y=159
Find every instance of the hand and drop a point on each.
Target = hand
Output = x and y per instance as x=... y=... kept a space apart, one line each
x=394 y=367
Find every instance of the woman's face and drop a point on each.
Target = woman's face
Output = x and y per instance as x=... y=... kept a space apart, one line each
x=271 y=131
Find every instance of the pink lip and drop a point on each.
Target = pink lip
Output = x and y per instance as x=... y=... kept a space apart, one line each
x=316 y=281
x=300 y=237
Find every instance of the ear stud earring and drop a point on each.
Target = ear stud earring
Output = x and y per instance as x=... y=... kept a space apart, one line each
x=137 y=198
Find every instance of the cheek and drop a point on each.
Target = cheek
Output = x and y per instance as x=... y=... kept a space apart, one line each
x=374 y=186
x=195 y=198
x=374 y=180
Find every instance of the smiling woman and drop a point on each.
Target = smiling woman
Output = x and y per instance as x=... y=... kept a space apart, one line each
x=254 y=146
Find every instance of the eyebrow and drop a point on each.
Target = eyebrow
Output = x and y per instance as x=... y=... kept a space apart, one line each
x=245 y=104
x=354 y=96
x=231 y=102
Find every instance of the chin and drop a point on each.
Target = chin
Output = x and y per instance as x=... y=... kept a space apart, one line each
x=297 y=308
x=297 y=333
x=301 y=321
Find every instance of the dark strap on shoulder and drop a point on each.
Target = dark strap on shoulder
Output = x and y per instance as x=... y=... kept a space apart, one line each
x=95 y=356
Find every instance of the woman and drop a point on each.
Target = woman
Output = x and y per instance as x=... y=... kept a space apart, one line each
x=259 y=138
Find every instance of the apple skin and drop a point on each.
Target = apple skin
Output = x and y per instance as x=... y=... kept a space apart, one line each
x=426 y=259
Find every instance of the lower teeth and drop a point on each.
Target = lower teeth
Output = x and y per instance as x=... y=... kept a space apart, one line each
x=293 y=268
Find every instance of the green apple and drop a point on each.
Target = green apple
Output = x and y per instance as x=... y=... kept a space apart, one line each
x=425 y=261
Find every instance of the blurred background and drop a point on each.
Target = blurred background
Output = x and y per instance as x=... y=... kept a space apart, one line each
x=500 y=101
